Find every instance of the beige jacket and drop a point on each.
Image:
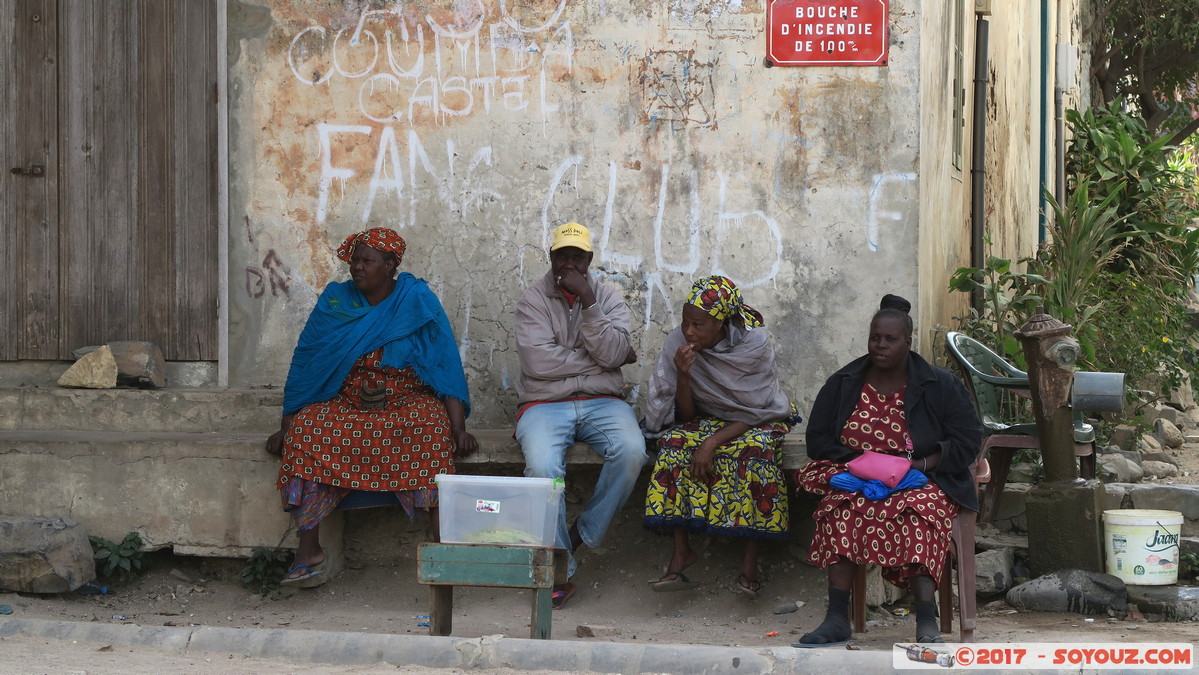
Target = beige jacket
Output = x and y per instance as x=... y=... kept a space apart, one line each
x=569 y=352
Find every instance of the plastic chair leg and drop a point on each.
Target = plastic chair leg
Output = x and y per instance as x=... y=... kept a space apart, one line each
x=857 y=600
x=964 y=525
x=945 y=595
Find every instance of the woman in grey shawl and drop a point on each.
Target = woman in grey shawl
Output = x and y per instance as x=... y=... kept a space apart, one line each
x=715 y=405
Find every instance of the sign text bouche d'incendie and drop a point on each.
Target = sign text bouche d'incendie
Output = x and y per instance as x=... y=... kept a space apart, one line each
x=826 y=32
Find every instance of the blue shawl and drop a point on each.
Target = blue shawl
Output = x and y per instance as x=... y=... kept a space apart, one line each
x=409 y=325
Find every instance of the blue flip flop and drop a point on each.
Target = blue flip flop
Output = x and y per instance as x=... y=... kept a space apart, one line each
x=309 y=571
x=5 y=609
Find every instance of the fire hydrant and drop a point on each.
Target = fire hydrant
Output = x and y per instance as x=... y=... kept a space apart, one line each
x=1063 y=511
x=1051 y=352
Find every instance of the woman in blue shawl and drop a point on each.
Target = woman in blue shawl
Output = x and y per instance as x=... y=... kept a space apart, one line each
x=376 y=400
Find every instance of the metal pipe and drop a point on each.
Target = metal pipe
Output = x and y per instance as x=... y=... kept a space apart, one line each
x=978 y=151
x=1059 y=91
x=1043 y=184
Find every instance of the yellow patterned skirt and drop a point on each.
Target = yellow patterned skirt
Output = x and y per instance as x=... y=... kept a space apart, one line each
x=748 y=497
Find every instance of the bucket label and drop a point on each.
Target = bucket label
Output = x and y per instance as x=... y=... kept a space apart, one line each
x=1119 y=544
x=1162 y=540
x=487 y=506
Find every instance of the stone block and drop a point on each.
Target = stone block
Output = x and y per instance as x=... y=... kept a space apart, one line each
x=878 y=591
x=1182 y=498
x=1176 y=603
x=1023 y=472
x=1148 y=444
x=1064 y=530
x=44 y=554
x=139 y=364
x=1183 y=396
x=993 y=571
x=1151 y=412
x=97 y=370
x=1071 y=590
x=1159 y=469
x=1167 y=432
x=1010 y=516
x=1159 y=457
x=1172 y=415
x=1114 y=496
x=591 y=630
x=989 y=538
x=1118 y=468
x=1123 y=435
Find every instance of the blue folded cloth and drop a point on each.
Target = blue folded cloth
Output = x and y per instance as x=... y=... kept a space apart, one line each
x=875 y=489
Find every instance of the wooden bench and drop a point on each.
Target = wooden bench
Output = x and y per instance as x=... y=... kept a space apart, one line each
x=498 y=447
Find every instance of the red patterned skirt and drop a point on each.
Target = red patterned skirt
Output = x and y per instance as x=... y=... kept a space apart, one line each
x=907 y=534
x=385 y=431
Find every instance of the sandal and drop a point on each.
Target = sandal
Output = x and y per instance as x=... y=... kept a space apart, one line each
x=680 y=582
x=561 y=594
x=747 y=588
x=307 y=573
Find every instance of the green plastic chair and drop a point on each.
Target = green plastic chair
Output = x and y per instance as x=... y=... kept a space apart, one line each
x=986 y=374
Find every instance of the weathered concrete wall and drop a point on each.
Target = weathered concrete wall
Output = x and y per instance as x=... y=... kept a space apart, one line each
x=1014 y=114
x=474 y=128
x=1013 y=138
x=944 y=188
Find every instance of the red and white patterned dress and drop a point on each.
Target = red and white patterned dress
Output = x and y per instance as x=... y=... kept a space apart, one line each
x=385 y=431
x=907 y=534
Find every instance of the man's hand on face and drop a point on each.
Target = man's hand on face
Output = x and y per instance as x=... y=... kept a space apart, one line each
x=570 y=273
x=571 y=281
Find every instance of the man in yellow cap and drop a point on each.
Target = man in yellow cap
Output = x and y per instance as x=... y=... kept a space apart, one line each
x=572 y=336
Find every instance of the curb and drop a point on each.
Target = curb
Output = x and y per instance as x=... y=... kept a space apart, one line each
x=489 y=652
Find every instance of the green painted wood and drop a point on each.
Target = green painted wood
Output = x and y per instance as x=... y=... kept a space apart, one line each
x=543 y=614
x=485 y=553
x=441 y=618
x=484 y=574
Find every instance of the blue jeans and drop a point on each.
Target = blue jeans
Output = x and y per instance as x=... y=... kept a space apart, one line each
x=547 y=430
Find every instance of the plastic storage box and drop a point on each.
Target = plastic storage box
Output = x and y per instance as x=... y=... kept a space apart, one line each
x=498 y=509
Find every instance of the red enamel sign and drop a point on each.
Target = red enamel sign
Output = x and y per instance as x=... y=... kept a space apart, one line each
x=826 y=32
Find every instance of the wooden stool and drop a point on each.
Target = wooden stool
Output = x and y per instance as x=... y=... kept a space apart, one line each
x=444 y=566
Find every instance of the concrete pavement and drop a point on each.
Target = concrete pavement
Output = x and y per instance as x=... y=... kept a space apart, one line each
x=490 y=652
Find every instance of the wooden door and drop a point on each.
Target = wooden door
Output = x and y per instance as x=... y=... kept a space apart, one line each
x=130 y=180
x=29 y=309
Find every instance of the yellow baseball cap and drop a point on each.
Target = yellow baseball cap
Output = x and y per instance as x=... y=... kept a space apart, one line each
x=571 y=234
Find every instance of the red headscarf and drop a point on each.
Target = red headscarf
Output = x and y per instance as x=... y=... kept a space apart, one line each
x=379 y=238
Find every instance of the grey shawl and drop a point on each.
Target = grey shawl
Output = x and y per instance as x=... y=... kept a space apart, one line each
x=735 y=380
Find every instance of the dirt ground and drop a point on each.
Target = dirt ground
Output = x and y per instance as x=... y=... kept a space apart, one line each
x=378 y=593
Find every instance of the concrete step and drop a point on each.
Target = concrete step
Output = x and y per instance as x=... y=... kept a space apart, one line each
x=201 y=493
x=168 y=410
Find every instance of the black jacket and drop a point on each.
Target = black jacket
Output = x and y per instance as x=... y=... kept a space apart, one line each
x=940 y=416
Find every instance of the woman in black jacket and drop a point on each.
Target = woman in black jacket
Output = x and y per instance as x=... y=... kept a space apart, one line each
x=890 y=401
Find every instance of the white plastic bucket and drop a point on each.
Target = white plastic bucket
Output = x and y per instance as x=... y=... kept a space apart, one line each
x=1141 y=545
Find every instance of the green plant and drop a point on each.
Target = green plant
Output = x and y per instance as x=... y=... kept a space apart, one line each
x=121 y=560
x=1188 y=565
x=1120 y=263
x=1009 y=297
x=1033 y=458
x=265 y=569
